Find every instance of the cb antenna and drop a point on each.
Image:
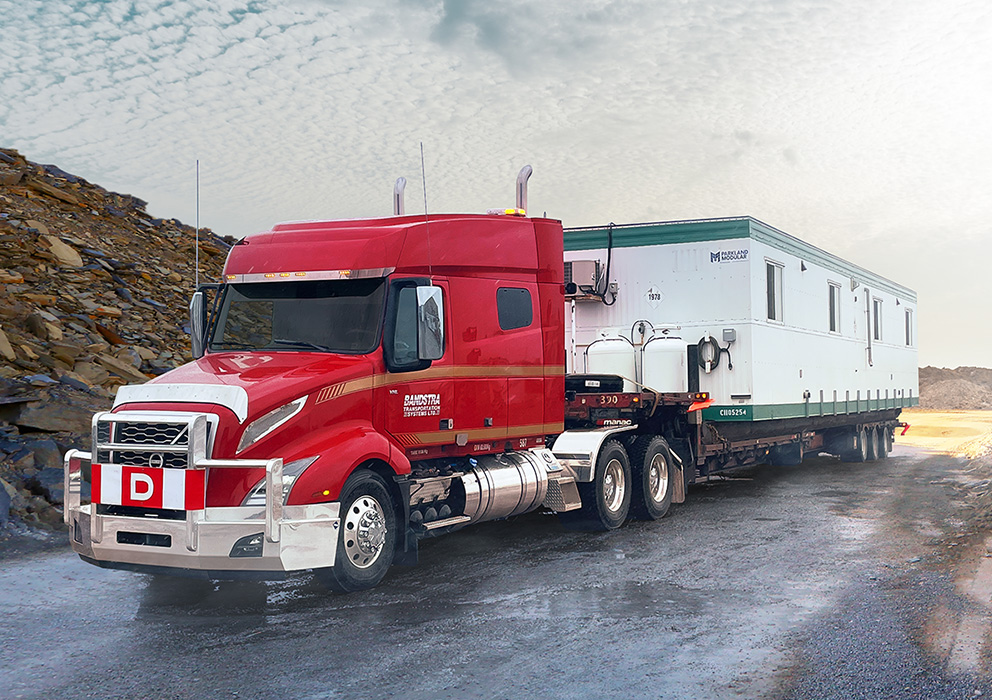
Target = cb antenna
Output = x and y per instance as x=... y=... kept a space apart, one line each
x=196 y=240
x=427 y=225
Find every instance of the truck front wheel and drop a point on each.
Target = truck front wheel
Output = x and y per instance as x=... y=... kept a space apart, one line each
x=605 y=500
x=654 y=476
x=368 y=535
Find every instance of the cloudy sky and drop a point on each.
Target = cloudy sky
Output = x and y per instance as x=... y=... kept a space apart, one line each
x=861 y=126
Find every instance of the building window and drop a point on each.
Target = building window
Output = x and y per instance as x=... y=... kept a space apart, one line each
x=514 y=308
x=876 y=319
x=773 y=284
x=909 y=326
x=834 y=291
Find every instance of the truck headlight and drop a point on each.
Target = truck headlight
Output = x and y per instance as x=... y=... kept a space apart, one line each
x=256 y=497
x=269 y=422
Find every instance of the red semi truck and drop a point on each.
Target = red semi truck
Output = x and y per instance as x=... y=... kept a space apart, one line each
x=360 y=385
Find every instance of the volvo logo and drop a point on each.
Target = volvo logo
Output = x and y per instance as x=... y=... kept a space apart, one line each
x=156 y=461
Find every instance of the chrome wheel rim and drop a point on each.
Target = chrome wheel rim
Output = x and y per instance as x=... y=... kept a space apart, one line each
x=658 y=478
x=364 y=532
x=614 y=485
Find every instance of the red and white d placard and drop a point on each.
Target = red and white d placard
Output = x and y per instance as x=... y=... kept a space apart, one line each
x=148 y=487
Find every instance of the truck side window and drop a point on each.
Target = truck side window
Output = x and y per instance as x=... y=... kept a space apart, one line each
x=514 y=308
x=400 y=338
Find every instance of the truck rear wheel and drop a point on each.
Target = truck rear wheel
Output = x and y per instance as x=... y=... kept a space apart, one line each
x=367 y=541
x=653 y=477
x=606 y=499
x=886 y=442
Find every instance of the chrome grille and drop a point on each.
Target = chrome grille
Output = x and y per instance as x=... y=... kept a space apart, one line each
x=151 y=434
x=143 y=458
x=152 y=439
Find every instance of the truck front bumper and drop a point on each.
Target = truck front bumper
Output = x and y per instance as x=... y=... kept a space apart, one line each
x=264 y=541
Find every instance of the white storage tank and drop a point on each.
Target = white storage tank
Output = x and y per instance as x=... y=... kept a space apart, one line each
x=663 y=362
x=614 y=355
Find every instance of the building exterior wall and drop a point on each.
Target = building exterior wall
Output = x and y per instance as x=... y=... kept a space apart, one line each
x=702 y=278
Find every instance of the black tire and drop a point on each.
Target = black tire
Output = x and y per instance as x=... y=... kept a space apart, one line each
x=860 y=451
x=886 y=442
x=606 y=499
x=872 y=448
x=367 y=541
x=654 y=476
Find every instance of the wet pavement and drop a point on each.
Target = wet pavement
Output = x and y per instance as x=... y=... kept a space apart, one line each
x=827 y=580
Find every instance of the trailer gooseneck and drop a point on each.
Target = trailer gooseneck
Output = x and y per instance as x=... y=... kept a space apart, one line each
x=360 y=385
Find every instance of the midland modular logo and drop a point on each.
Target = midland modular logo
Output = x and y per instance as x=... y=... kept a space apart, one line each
x=729 y=256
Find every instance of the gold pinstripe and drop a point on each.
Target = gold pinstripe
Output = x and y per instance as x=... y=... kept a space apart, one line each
x=447 y=436
x=351 y=386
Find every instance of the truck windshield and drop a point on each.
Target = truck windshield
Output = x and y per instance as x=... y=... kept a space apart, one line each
x=340 y=316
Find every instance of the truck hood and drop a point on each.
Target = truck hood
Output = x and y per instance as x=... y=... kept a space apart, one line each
x=250 y=384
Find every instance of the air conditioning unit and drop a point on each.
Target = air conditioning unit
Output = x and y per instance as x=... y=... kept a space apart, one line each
x=581 y=278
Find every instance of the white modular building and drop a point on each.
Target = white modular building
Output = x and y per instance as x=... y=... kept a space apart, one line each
x=771 y=326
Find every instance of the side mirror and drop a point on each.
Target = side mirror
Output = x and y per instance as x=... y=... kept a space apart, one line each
x=198 y=324
x=430 y=323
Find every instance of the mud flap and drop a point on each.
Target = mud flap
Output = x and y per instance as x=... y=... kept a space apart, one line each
x=678 y=495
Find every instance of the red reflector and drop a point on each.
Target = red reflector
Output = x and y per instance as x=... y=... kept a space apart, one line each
x=905 y=428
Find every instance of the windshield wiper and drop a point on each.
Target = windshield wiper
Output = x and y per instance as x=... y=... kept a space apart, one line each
x=301 y=344
x=230 y=345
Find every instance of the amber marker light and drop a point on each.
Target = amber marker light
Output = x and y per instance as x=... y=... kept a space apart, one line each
x=301 y=274
x=284 y=274
x=269 y=275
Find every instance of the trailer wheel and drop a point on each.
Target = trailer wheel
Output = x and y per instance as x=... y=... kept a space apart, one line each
x=654 y=477
x=367 y=541
x=606 y=499
x=872 y=446
x=886 y=442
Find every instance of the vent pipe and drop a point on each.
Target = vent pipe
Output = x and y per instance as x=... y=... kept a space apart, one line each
x=525 y=173
x=399 y=208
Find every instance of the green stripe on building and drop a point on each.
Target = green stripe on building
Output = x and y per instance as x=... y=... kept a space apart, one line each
x=635 y=235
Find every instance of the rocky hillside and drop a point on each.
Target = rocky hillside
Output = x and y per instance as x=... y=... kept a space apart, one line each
x=964 y=388
x=93 y=294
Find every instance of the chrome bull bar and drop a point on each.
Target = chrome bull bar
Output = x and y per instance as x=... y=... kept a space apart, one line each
x=296 y=537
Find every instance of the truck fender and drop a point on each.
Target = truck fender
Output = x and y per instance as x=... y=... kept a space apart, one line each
x=342 y=449
x=578 y=449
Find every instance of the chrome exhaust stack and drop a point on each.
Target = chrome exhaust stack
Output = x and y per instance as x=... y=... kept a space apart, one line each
x=525 y=173
x=399 y=207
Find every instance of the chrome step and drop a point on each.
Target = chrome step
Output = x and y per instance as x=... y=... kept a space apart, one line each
x=453 y=520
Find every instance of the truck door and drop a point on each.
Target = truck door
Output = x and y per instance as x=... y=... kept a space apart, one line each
x=417 y=395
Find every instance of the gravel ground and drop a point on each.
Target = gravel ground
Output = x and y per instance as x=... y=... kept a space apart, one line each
x=826 y=580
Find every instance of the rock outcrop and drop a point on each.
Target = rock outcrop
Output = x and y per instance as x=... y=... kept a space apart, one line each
x=962 y=389
x=93 y=295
